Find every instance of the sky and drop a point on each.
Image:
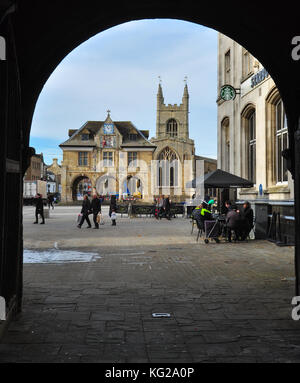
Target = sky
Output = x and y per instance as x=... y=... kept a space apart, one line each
x=119 y=70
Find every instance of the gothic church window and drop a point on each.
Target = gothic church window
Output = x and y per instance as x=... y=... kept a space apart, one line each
x=167 y=168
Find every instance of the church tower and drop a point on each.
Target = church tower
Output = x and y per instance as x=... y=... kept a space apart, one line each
x=172 y=120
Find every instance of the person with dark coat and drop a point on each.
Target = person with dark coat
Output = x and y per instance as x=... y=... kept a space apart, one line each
x=167 y=207
x=96 y=209
x=113 y=204
x=233 y=222
x=85 y=211
x=247 y=220
x=50 y=201
x=39 y=208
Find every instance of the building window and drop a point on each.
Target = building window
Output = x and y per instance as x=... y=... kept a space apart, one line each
x=225 y=131
x=108 y=159
x=172 y=128
x=227 y=67
x=281 y=133
x=132 y=137
x=247 y=63
x=82 y=158
x=85 y=137
x=132 y=159
x=252 y=147
x=167 y=168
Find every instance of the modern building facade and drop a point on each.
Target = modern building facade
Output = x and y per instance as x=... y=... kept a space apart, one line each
x=114 y=157
x=252 y=136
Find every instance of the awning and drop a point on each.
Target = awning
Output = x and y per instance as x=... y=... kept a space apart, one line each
x=220 y=179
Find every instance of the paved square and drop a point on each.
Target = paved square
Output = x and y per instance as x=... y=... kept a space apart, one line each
x=228 y=302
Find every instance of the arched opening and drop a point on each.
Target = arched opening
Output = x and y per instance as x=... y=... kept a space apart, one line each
x=225 y=150
x=248 y=125
x=277 y=140
x=167 y=168
x=83 y=22
x=106 y=185
x=132 y=187
x=82 y=186
x=172 y=128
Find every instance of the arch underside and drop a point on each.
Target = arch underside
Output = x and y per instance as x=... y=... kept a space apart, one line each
x=39 y=43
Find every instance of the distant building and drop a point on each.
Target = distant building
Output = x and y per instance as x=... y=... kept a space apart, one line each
x=115 y=157
x=37 y=169
x=53 y=174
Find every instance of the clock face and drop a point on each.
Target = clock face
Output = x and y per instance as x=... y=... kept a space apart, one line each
x=108 y=128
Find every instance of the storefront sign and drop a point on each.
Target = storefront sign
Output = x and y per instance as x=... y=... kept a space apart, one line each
x=259 y=77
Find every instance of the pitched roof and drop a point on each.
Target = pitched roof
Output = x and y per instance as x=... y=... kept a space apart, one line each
x=124 y=127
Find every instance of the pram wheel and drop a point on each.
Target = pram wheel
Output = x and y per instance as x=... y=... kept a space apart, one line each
x=206 y=241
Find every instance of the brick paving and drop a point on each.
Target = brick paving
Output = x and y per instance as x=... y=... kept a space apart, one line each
x=228 y=302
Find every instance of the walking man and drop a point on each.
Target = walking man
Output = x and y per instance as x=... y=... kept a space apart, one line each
x=96 y=209
x=85 y=211
x=39 y=208
x=167 y=207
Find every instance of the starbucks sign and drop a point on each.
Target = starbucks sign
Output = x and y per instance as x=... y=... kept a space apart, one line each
x=227 y=93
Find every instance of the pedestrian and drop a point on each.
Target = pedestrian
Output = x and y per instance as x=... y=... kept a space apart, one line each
x=233 y=222
x=50 y=201
x=160 y=206
x=39 y=208
x=113 y=204
x=85 y=211
x=167 y=208
x=113 y=217
x=96 y=209
x=247 y=219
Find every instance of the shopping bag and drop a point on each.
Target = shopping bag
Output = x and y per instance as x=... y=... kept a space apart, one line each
x=98 y=218
x=79 y=218
x=113 y=216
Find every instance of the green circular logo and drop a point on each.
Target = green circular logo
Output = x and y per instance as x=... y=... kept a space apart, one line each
x=227 y=93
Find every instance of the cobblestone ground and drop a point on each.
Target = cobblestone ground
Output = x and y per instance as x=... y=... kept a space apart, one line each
x=228 y=302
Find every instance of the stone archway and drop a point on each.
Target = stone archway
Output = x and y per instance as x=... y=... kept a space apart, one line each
x=132 y=186
x=31 y=41
x=81 y=186
x=106 y=185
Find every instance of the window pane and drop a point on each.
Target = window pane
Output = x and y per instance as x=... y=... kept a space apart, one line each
x=278 y=116
x=279 y=167
x=284 y=162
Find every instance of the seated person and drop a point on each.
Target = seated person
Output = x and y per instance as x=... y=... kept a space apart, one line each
x=201 y=214
x=233 y=222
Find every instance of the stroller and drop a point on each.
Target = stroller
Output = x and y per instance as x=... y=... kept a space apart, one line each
x=212 y=231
